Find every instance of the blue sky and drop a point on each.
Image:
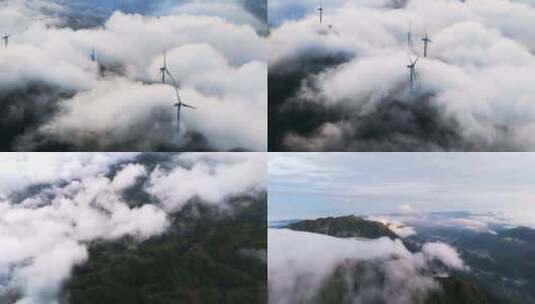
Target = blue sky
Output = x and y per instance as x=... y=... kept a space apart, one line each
x=321 y=184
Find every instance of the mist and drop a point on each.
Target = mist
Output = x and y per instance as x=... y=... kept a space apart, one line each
x=55 y=97
x=347 y=84
x=49 y=219
x=300 y=267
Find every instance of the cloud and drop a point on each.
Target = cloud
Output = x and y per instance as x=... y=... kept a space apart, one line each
x=232 y=175
x=299 y=265
x=472 y=91
x=232 y=11
x=379 y=183
x=128 y=176
x=221 y=67
x=51 y=167
x=68 y=201
x=399 y=228
x=443 y=253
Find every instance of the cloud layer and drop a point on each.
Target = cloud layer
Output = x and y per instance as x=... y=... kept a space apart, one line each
x=473 y=91
x=116 y=102
x=299 y=264
x=68 y=201
x=309 y=185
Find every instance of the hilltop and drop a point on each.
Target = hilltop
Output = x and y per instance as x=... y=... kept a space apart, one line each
x=345 y=227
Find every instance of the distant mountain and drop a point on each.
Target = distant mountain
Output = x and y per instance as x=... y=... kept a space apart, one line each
x=345 y=227
x=459 y=288
x=520 y=233
x=504 y=262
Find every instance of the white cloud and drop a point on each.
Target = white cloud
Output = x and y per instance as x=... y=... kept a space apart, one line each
x=400 y=229
x=221 y=66
x=46 y=234
x=128 y=176
x=477 y=73
x=299 y=263
x=231 y=174
x=50 y=167
x=443 y=253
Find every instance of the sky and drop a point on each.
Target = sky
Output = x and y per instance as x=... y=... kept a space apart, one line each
x=311 y=185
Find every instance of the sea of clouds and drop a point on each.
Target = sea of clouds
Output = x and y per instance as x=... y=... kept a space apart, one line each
x=75 y=201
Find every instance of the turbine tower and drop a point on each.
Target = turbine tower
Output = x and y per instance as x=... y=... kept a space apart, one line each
x=163 y=69
x=179 y=106
x=426 y=41
x=412 y=72
x=320 y=9
x=93 y=56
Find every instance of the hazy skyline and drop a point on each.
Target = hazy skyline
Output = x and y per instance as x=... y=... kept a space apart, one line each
x=309 y=185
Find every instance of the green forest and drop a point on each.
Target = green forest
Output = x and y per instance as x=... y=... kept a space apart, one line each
x=208 y=255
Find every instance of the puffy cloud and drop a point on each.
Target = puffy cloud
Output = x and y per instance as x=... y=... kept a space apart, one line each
x=47 y=231
x=50 y=167
x=232 y=174
x=399 y=228
x=443 y=253
x=221 y=67
x=39 y=233
x=128 y=176
x=299 y=263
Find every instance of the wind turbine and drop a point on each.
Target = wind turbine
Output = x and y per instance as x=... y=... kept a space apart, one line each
x=179 y=106
x=412 y=68
x=320 y=9
x=426 y=41
x=6 y=39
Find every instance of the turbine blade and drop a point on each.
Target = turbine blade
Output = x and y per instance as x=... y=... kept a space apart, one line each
x=178 y=96
x=188 y=106
x=175 y=83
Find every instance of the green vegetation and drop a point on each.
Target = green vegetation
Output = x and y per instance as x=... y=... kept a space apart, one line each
x=345 y=227
x=459 y=291
x=368 y=281
x=208 y=255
